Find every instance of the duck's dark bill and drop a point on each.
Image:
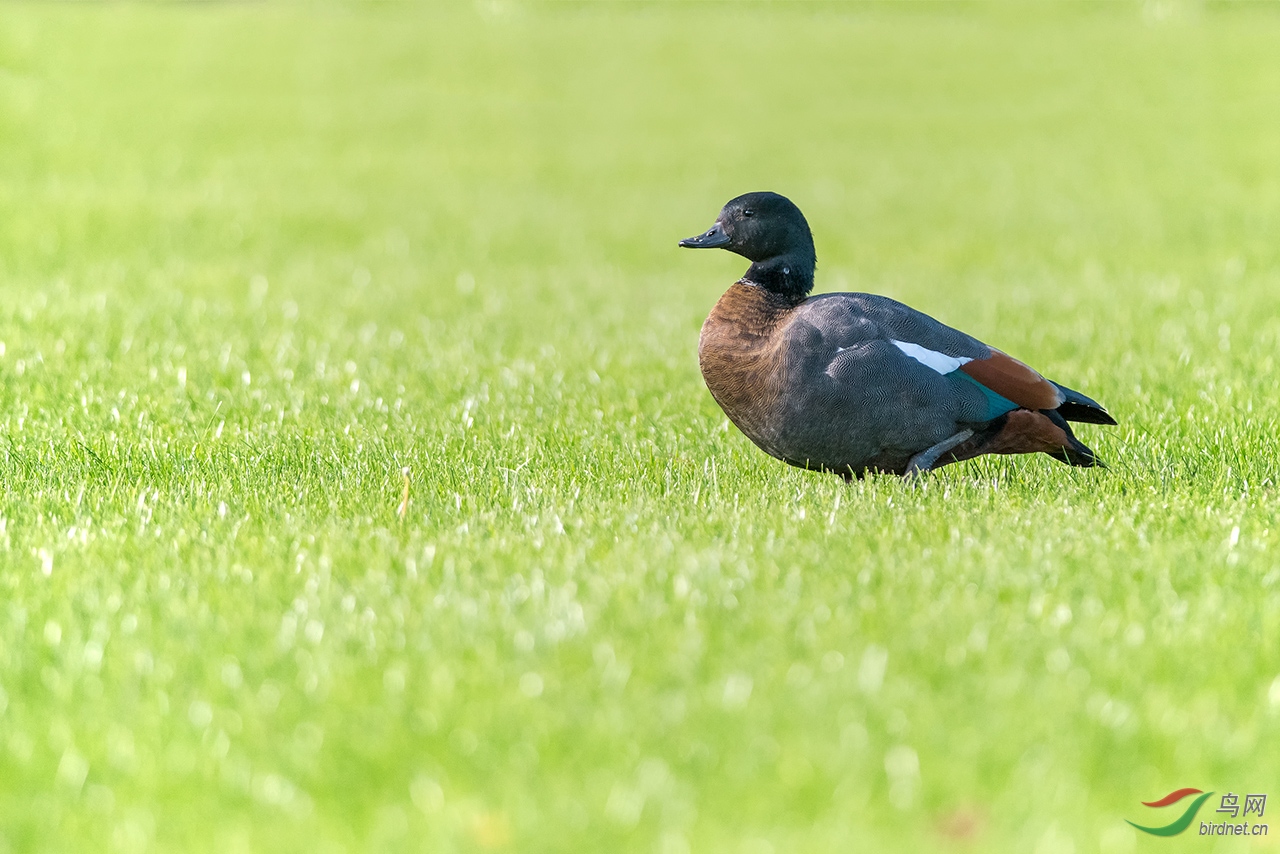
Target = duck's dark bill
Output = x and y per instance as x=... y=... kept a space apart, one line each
x=712 y=239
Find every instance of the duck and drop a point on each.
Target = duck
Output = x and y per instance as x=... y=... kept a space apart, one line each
x=855 y=383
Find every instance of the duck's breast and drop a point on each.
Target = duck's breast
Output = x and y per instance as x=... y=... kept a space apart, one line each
x=743 y=354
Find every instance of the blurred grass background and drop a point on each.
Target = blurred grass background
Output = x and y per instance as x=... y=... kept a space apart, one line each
x=256 y=259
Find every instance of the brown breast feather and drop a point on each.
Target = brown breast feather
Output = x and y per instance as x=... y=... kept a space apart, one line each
x=742 y=357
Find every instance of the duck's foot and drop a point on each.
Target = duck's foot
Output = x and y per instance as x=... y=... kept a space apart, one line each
x=928 y=458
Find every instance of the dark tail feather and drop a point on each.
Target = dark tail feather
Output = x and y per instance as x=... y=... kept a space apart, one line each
x=1086 y=410
x=1077 y=453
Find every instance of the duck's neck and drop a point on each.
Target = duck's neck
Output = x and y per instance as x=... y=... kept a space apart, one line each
x=789 y=275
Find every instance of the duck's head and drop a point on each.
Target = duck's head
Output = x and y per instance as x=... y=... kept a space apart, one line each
x=768 y=230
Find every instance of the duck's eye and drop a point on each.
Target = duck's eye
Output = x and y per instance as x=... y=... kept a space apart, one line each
x=748 y=212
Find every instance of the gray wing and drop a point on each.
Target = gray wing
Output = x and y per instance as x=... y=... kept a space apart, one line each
x=844 y=319
x=893 y=395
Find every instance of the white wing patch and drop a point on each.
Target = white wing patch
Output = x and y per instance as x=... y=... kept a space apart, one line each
x=940 y=362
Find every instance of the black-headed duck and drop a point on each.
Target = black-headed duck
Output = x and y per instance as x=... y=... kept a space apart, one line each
x=850 y=383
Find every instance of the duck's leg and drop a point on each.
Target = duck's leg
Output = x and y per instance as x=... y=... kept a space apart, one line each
x=926 y=459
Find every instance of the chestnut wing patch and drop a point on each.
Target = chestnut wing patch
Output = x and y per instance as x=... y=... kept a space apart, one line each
x=954 y=369
x=1018 y=382
x=1006 y=382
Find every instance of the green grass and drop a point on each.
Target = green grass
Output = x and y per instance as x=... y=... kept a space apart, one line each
x=256 y=259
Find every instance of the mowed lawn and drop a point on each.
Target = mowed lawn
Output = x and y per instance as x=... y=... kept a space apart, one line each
x=257 y=260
